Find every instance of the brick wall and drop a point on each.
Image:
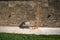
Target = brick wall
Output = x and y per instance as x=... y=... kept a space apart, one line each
x=43 y=13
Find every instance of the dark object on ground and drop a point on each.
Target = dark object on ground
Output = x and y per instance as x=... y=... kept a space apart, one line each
x=22 y=25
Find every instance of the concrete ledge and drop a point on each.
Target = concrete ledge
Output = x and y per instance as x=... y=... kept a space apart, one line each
x=40 y=30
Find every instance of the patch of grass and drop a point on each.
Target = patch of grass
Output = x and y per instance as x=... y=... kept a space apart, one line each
x=8 y=36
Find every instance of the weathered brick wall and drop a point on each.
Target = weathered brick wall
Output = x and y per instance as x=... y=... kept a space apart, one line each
x=15 y=12
x=43 y=12
x=50 y=15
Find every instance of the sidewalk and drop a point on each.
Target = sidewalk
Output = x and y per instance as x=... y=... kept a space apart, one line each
x=40 y=30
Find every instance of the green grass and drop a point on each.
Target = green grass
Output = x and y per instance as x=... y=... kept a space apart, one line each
x=7 y=36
